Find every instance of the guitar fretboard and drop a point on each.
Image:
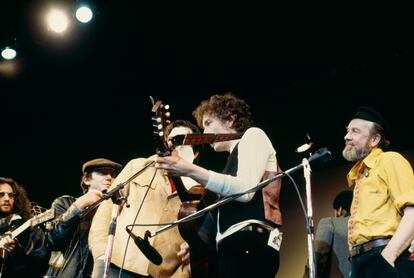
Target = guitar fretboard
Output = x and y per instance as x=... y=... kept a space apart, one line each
x=36 y=220
x=20 y=229
x=206 y=138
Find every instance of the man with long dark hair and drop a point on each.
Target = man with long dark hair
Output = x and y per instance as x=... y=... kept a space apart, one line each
x=22 y=256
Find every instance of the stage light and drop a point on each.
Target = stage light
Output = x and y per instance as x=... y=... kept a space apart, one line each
x=84 y=14
x=57 y=20
x=8 y=53
x=306 y=146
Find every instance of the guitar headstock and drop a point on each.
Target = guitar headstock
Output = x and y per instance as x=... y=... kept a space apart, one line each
x=160 y=119
x=42 y=217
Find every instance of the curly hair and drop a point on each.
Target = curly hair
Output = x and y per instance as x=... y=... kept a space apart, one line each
x=22 y=205
x=225 y=107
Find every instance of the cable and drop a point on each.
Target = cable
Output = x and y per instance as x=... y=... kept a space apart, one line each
x=308 y=228
x=135 y=219
x=230 y=196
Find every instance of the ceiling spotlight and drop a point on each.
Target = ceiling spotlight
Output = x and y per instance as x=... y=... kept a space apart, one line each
x=306 y=146
x=8 y=53
x=57 y=20
x=84 y=14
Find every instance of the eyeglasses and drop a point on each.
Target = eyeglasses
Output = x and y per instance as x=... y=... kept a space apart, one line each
x=10 y=194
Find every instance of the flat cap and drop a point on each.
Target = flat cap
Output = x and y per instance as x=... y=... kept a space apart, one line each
x=370 y=114
x=100 y=163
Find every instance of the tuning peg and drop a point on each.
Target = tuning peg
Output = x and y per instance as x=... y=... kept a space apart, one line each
x=167 y=107
x=167 y=114
x=157 y=126
x=156 y=119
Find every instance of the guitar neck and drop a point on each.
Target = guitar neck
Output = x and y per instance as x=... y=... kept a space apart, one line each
x=21 y=229
x=34 y=221
x=205 y=138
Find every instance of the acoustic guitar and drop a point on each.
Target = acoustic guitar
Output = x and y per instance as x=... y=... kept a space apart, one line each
x=31 y=223
x=198 y=233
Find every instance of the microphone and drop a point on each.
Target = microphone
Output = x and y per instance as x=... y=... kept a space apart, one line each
x=143 y=244
x=323 y=154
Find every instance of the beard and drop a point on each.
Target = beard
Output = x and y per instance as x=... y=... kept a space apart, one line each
x=353 y=153
x=5 y=212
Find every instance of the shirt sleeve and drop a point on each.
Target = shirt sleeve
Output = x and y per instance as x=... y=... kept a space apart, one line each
x=400 y=177
x=63 y=227
x=255 y=155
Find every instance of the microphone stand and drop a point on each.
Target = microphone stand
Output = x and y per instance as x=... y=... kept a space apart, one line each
x=117 y=199
x=115 y=190
x=317 y=155
x=309 y=219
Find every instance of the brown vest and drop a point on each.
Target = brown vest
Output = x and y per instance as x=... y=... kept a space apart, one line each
x=271 y=194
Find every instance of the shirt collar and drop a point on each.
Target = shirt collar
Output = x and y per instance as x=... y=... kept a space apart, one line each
x=367 y=162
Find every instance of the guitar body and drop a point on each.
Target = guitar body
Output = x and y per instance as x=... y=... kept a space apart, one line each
x=20 y=230
x=200 y=234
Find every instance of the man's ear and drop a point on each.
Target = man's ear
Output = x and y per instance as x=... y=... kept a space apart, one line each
x=86 y=179
x=229 y=123
x=339 y=212
x=375 y=139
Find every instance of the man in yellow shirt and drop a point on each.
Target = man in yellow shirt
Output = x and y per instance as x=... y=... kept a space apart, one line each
x=381 y=226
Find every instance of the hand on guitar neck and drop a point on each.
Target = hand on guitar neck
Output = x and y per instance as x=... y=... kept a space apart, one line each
x=197 y=197
x=176 y=166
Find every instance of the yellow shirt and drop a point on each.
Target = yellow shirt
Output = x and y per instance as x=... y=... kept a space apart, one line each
x=383 y=185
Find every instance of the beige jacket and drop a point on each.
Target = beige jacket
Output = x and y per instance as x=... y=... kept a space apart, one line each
x=160 y=206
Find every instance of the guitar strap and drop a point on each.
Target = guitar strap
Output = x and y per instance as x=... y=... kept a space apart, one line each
x=172 y=185
x=4 y=224
x=9 y=223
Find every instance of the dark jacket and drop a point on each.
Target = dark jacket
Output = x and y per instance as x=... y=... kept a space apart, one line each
x=68 y=235
x=28 y=260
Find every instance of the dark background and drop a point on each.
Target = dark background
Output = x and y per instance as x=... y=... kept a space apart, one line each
x=73 y=99
x=303 y=69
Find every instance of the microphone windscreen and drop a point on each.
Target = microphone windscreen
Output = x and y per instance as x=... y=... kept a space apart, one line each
x=149 y=251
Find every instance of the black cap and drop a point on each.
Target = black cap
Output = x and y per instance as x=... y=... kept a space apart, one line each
x=100 y=163
x=370 y=114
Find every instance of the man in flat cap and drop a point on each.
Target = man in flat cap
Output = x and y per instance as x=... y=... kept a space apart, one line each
x=381 y=224
x=68 y=234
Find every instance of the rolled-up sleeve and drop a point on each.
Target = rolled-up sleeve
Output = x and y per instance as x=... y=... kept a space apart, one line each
x=400 y=179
